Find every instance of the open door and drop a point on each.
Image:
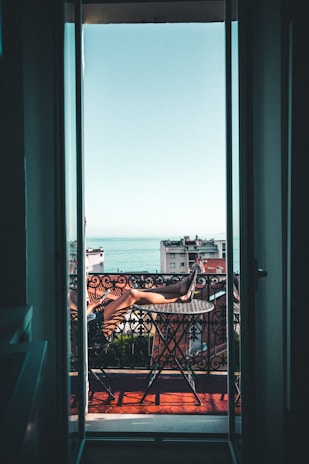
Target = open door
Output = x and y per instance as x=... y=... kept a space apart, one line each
x=262 y=229
x=77 y=362
x=233 y=228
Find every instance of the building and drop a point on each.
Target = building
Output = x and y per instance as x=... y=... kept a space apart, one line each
x=214 y=266
x=274 y=147
x=178 y=256
x=95 y=259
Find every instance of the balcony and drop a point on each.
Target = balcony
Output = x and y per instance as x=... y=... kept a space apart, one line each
x=125 y=364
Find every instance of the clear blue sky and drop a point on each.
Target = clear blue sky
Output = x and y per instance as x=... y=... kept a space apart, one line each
x=154 y=101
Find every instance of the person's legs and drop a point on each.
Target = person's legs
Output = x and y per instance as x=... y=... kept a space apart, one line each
x=115 y=311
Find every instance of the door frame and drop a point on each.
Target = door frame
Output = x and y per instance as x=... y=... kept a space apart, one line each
x=228 y=14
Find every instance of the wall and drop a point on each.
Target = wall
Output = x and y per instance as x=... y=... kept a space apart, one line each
x=12 y=174
x=43 y=61
x=298 y=211
x=32 y=234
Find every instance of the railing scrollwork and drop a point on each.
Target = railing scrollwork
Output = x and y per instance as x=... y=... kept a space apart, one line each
x=204 y=345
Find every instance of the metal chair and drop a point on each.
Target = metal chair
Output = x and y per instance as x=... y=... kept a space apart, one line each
x=96 y=343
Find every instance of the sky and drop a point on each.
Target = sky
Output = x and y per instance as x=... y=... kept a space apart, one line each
x=154 y=130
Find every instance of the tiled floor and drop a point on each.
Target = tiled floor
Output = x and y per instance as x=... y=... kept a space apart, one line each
x=169 y=407
x=169 y=394
x=129 y=402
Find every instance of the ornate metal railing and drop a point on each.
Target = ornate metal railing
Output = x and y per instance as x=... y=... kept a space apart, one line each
x=135 y=342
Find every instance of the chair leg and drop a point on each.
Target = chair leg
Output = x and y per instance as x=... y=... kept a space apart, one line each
x=237 y=388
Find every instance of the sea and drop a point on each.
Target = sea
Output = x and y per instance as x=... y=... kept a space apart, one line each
x=136 y=254
x=129 y=254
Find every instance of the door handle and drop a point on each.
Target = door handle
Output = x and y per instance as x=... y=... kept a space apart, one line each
x=261 y=273
x=258 y=274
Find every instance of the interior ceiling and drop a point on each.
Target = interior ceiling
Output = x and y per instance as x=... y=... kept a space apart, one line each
x=152 y=12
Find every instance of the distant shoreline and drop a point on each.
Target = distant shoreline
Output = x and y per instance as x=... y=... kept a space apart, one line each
x=218 y=236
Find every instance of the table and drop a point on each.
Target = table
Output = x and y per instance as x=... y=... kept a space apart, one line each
x=160 y=316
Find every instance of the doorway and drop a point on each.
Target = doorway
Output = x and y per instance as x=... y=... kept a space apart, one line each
x=102 y=177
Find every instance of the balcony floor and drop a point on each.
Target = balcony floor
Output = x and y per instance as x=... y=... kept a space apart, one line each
x=169 y=396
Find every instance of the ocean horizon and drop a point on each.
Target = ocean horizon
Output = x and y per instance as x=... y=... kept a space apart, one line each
x=128 y=254
x=131 y=254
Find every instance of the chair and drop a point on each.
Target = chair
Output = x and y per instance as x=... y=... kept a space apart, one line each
x=96 y=347
x=95 y=342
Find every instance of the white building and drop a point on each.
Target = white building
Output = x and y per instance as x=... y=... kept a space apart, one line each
x=178 y=256
x=94 y=260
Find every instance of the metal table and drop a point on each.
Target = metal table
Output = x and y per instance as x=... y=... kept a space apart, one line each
x=171 y=337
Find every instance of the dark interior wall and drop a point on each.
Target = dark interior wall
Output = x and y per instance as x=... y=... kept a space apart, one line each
x=298 y=315
x=32 y=228
x=42 y=55
x=12 y=171
x=43 y=97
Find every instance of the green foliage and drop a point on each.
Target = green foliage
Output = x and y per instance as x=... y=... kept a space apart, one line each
x=125 y=351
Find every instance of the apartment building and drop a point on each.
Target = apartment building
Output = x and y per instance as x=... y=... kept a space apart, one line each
x=177 y=256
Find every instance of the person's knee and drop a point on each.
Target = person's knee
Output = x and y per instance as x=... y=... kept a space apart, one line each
x=133 y=293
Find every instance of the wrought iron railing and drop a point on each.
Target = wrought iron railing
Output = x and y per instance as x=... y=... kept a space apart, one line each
x=135 y=341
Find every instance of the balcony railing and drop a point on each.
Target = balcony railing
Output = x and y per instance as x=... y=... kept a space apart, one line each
x=136 y=343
